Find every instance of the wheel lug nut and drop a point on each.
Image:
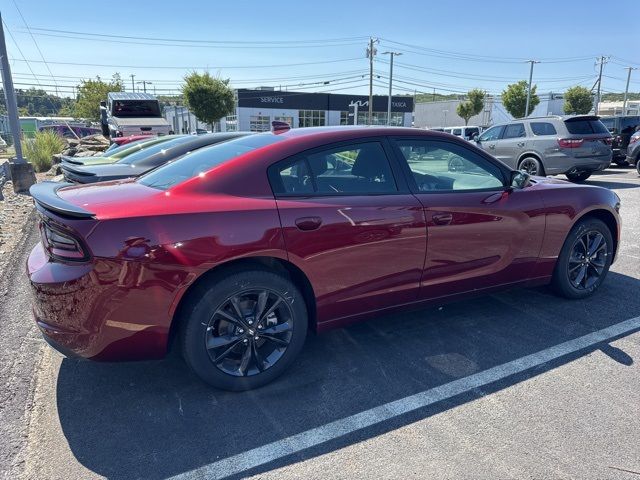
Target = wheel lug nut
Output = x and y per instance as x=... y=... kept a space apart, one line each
x=245 y=341
x=256 y=338
x=250 y=322
x=240 y=330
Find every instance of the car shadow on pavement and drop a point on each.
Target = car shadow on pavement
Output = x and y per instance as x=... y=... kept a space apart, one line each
x=156 y=419
x=611 y=185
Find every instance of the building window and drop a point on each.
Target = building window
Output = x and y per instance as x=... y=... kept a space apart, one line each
x=288 y=120
x=380 y=118
x=311 y=118
x=231 y=123
x=344 y=118
x=259 y=123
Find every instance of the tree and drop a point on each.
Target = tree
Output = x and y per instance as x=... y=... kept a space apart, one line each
x=514 y=99
x=472 y=106
x=209 y=98
x=91 y=93
x=577 y=100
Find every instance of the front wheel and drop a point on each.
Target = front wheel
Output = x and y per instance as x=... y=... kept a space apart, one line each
x=243 y=330
x=584 y=260
x=578 y=177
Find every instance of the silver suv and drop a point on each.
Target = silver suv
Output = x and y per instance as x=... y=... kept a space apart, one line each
x=575 y=145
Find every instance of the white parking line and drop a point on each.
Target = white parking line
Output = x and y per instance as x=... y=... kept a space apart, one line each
x=242 y=462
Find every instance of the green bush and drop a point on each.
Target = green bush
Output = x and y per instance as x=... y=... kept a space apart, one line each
x=40 y=149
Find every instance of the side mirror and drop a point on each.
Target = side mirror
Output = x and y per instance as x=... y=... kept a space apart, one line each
x=520 y=179
x=475 y=136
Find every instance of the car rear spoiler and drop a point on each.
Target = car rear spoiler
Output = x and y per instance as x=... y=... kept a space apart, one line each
x=46 y=195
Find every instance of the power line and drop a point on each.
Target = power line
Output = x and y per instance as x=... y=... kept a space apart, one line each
x=78 y=64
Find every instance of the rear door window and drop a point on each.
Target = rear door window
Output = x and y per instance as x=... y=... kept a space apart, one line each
x=457 y=132
x=356 y=169
x=543 y=128
x=470 y=132
x=585 y=127
x=515 y=130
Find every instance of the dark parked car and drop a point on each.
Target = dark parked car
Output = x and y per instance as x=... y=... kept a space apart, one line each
x=233 y=252
x=621 y=127
x=145 y=160
x=633 y=151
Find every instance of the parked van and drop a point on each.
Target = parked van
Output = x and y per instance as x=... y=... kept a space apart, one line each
x=468 y=132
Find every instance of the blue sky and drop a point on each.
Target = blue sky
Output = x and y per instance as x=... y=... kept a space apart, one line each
x=446 y=47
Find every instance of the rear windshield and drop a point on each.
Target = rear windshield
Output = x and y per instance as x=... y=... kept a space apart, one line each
x=200 y=161
x=158 y=147
x=585 y=127
x=136 y=108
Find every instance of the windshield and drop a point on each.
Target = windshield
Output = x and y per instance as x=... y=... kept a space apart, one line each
x=200 y=161
x=136 y=108
x=158 y=147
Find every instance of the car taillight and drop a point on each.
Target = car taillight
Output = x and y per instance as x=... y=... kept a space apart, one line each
x=633 y=140
x=570 y=142
x=608 y=140
x=62 y=245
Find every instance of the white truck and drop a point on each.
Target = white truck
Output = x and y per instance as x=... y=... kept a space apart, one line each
x=129 y=113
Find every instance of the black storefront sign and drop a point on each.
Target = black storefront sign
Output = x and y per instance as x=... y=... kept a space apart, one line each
x=319 y=101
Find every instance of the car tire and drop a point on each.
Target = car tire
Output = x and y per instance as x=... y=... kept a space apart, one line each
x=532 y=166
x=576 y=274
x=247 y=352
x=638 y=166
x=578 y=177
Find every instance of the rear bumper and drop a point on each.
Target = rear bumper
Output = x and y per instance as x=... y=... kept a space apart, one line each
x=82 y=311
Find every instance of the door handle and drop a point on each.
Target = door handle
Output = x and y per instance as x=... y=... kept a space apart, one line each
x=492 y=146
x=520 y=144
x=442 y=218
x=308 y=223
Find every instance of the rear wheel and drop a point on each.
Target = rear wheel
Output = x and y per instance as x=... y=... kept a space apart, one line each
x=638 y=166
x=532 y=166
x=242 y=331
x=578 y=177
x=584 y=260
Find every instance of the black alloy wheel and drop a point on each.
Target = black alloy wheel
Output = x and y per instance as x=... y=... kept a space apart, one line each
x=588 y=260
x=242 y=328
x=584 y=260
x=249 y=332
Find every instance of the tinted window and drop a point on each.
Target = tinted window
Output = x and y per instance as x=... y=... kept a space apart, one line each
x=610 y=123
x=158 y=147
x=202 y=160
x=585 y=127
x=443 y=166
x=515 y=130
x=543 y=128
x=492 y=134
x=354 y=169
x=136 y=108
x=472 y=131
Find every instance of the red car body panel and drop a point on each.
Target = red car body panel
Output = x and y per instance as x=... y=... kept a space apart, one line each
x=131 y=138
x=369 y=254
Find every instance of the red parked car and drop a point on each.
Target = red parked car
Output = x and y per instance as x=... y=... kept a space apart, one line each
x=236 y=250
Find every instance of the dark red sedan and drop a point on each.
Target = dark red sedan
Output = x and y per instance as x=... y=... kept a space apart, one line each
x=236 y=250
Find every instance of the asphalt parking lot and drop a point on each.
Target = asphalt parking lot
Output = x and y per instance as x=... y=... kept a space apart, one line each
x=520 y=384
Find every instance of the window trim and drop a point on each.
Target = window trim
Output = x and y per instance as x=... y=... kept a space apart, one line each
x=396 y=170
x=411 y=181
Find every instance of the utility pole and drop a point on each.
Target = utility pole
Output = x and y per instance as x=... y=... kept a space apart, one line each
x=371 y=52
x=391 y=55
x=526 y=108
x=133 y=85
x=144 y=84
x=626 y=90
x=601 y=60
x=22 y=173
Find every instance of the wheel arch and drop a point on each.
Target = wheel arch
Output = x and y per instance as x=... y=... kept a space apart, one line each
x=271 y=264
x=533 y=154
x=607 y=218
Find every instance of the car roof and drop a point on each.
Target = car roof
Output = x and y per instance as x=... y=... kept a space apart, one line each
x=130 y=96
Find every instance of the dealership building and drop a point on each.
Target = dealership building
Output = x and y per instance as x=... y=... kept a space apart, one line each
x=256 y=109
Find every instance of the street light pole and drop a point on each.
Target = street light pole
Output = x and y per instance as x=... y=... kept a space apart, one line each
x=526 y=108
x=626 y=90
x=602 y=60
x=133 y=85
x=371 y=52
x=391 y=55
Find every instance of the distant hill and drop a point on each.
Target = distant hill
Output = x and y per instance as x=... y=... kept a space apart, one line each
x=619 y=97
x=437 y=97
